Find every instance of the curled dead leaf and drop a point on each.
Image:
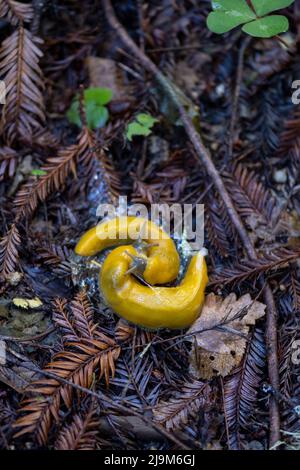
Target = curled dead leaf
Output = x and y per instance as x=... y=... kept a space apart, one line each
x=221 y=334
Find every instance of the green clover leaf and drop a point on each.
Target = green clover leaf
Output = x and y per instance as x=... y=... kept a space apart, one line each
x=267 y=27
x=146 y=120
x=142 y=125
x=264 y=7
x=95 y=100
x=228 y=14
x=96 y=115
x=99 y=96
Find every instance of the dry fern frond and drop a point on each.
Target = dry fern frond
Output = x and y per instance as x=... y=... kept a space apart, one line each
x=81 y=433
x=77 y=363
x=87 y=147
x=111 y=176
x=289 y=336
x=8 y=162
x=289 y=370
x=125 y=332
x=289 y=138
x=295 y=291
x=254 y=268
x=16 y=12
x=42 y=139
x=9 y=252
x=219 y=227
x=76 y=319
x=58 y=169
x=240 y=389
x=86 y=351
x=63 y=319
x=56 y=257
x=250 y=196
x=176 y=412
x=35 y=190
x=24 y=110
x=83 y=315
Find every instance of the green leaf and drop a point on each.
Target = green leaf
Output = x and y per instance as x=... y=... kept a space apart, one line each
x=134 y=128
x=229 y=14
x=73 y=114
x=94 y=101
x=221 y=22
x=96 y=116
x=141 y=126
x=267 y=27
x=263 y=7
x=38 y=172
x=98 y=96
x=236 y=7
x=146 y=120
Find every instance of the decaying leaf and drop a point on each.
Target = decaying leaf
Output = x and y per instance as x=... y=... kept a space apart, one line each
x=19 y=323
x=221 y=334
x=17 y=378
x=14 y=375
x=105 y=73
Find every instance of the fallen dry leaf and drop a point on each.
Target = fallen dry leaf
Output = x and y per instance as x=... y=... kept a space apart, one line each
x=105 y=73
x=224 y=326
x=14 y=375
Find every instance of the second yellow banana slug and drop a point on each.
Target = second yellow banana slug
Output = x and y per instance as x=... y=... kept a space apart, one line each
x=147 y=306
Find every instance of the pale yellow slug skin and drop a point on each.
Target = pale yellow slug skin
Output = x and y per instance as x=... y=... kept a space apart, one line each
x=163 y=261
x=153 y=307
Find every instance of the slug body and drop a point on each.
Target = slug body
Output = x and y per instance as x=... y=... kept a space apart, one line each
x=162 y=258
x=147 y=306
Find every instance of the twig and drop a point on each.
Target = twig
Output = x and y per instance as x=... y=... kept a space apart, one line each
x=27 y=339
x=205 y=158
x=282 y=41
x=174 y=49
x=82 y=111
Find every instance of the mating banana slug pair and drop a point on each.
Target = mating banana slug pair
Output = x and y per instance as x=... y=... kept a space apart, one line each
x=145 y=305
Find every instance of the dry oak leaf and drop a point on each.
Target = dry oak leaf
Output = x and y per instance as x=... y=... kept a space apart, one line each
x=221 y=333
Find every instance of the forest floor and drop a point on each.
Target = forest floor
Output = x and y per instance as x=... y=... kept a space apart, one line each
x=73 y=375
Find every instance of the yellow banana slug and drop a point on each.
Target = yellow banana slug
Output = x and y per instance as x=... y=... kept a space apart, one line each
x=147 y=306
x=162 y=259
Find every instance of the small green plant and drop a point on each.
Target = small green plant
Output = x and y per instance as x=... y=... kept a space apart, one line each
x=94 y=100
x=142 y=125
x=229 y=14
